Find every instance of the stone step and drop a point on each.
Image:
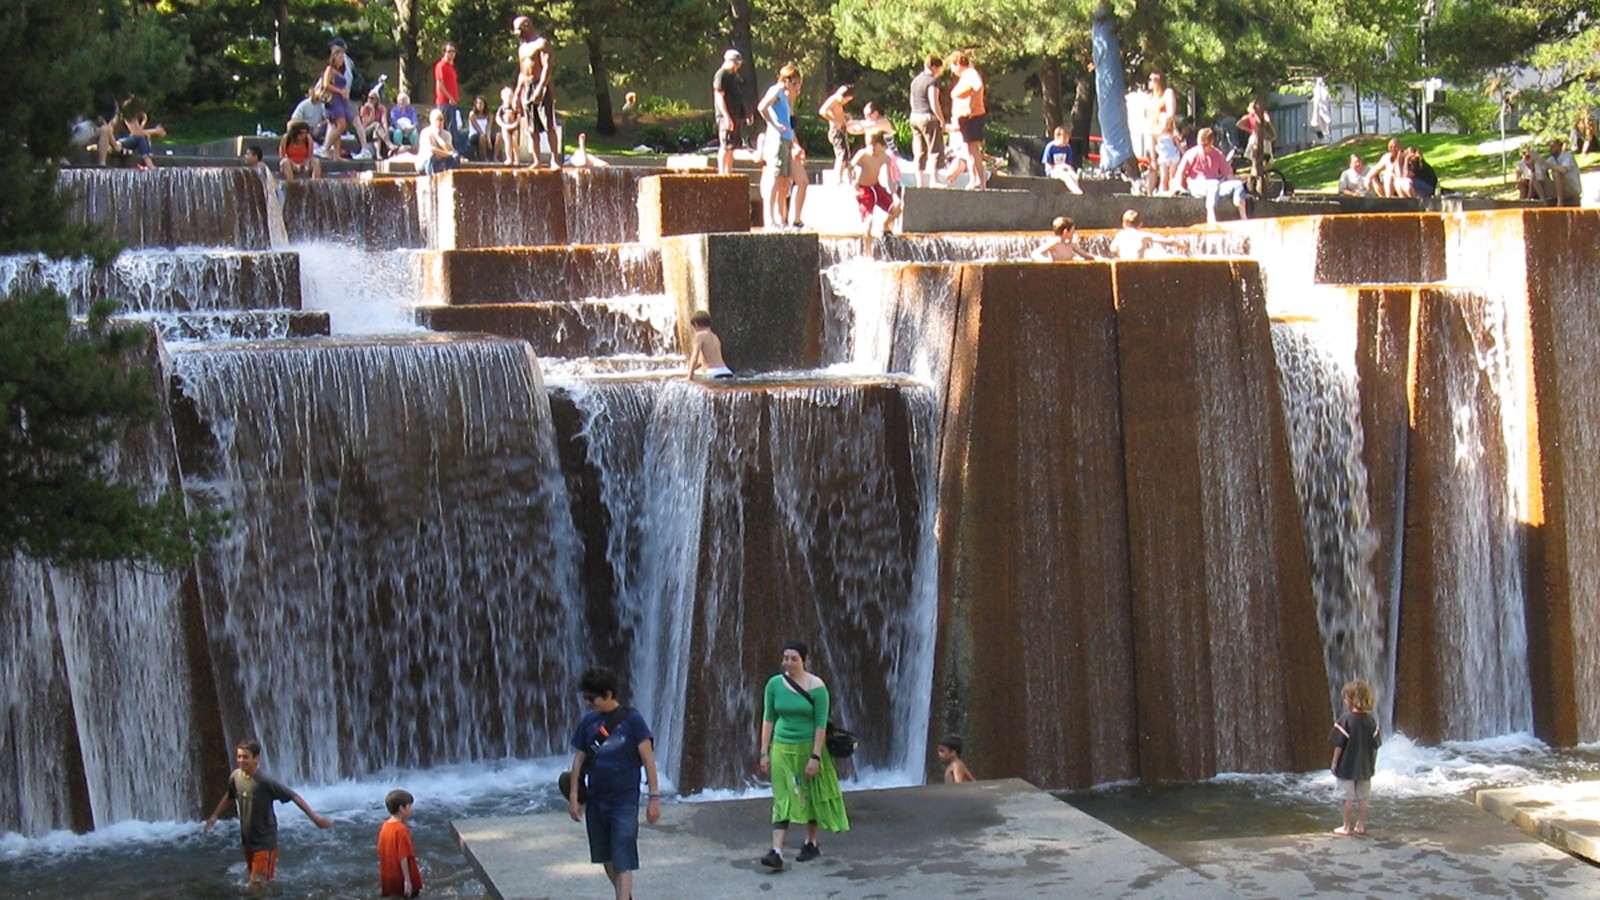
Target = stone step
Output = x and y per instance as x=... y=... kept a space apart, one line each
x=570 y=330
x=1564 y=815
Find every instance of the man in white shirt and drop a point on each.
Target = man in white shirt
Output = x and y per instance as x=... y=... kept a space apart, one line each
x=1353 y=181
x=1565 y=177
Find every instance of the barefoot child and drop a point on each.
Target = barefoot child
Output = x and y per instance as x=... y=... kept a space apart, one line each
x=707 y=349
x=398 y=873
x=955 y=771
x=253 y=792
x=869 y=164
x=509 y=121
x=1355 y=740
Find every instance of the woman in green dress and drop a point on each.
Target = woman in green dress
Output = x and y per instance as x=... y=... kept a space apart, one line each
x=805 y=784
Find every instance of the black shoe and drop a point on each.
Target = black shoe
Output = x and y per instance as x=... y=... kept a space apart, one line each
x=808 y=852
x=772 y=860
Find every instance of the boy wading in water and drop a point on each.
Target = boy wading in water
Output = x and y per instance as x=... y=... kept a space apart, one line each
x=1355 y=740
x=253 y=792
x=955 y=771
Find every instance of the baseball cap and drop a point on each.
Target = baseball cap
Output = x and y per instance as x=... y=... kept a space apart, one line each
x=733 y=56
x=336 y=42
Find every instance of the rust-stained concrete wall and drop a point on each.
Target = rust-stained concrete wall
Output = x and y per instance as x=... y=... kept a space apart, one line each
x=478 y=208
x=1229 y=673
x=1544 y=261
x=692 y=204
x=552 y=329
x=763 y=292
x=1035 y=667
x=530 y=274
x=779 y=559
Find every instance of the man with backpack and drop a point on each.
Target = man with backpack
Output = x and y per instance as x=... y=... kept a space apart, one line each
x=612 y=744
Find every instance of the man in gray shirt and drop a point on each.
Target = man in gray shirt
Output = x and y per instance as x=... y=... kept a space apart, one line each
x=927 y=120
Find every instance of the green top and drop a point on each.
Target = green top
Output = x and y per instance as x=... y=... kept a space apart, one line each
x=795 y=719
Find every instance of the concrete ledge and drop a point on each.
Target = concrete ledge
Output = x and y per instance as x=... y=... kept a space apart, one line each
x=532 y=274
x=571 y=330
x=989 y=839
x=1564 y=815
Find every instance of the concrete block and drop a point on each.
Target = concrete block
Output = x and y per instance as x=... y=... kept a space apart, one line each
x=532 y=274
x=602 y=204
x=571 y=330
x=763 y=292
x=941 y=209
x=1224 y=617
x=1541 y=264
x=1034 y=589
x=371 y=213
x=467 y=209
x=692 y=204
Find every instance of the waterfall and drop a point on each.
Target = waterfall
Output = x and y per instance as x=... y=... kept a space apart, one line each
x=173 y=207
x=602 y=204
x=163 y=281
x=371 y=213
x=363 y=291
x=1321 y=409
x=852 y=507
x=98 y=680
x=1472 y=433
x=889 y=317
x=399 y=585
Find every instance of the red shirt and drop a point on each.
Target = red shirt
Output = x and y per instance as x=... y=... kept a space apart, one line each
x=1205 y=162
x=444 y=83
x=398 y=873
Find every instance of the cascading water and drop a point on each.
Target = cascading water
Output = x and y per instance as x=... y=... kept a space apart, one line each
x=1321 y=408
x=677 y=467
x=399 y=585
x=1473 y=430
x=98 y=678
x=173 y=207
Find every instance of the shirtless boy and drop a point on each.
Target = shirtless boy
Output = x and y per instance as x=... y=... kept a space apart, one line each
x=1064 y=246
x=707 y=348
x=869 y=164
x=534 y=97
x=833 y=112
x=1133 y=242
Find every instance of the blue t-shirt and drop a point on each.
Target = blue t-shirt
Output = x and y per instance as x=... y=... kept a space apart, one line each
x=1055 y=154
x=613 y=772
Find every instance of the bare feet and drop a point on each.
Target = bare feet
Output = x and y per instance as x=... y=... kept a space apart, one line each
x=1341 y=830
x=1361 y=830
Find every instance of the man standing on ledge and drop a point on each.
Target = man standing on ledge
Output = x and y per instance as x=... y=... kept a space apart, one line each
x=447 y=93
x=733 y=113
x=534 y=94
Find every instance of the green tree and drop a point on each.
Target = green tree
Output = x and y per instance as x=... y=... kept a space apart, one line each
x=68 y=394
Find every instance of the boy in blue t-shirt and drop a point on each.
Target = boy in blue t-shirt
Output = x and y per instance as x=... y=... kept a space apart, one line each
x=612 y=744
x=1060 y=162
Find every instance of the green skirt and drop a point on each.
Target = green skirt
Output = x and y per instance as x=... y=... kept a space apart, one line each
x=798 y=799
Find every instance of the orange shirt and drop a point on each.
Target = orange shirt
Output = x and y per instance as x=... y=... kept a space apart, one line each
x=397 y=861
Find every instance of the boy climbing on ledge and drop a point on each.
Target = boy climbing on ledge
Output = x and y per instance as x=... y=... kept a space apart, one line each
x=707 y=349
x=1355 y=740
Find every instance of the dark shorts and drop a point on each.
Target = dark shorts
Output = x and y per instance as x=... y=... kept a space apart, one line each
x=541 y=113
x=613 y=835
x=730 y=133
x=839 y=141
x=972 y=128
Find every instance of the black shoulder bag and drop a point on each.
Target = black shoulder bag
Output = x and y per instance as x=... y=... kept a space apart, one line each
x=564 y=783
x=841 y=744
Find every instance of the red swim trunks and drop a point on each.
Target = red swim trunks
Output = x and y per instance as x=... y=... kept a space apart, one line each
x=263 y=865
x=868 y=196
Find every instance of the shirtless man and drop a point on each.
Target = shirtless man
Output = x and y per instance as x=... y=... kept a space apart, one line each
x=1384 y=176
x=707 y=348
x=1064 y=246
x=969 y=111
x=1133 y=242
x=533 y=95
x=1163 y=124
x=869 y=164
x=833 y=112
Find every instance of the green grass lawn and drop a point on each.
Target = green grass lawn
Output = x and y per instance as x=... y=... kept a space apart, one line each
x=1461 y=164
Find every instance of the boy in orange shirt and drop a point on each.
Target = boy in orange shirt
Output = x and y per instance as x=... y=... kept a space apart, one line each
x=398 y=873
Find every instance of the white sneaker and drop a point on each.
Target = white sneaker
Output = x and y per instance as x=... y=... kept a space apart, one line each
x=364 y=154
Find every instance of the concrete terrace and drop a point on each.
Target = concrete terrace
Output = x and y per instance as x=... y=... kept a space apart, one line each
x=1009 y=839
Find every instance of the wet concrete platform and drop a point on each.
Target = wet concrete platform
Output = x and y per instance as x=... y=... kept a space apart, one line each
x=1009 y=839
x=1566 y=815
x=990 y=839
